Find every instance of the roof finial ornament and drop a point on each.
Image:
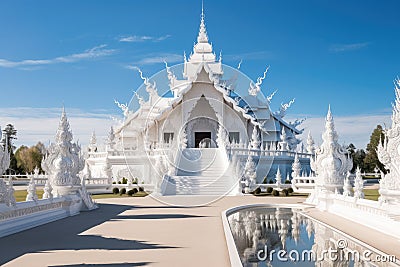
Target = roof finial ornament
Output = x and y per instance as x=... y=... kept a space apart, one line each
x=202 y=38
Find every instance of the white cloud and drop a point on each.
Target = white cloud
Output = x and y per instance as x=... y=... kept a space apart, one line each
x=354 y=129
x=143 y=38
x=27 y=64
x=158 y=58
x=40 y=124
x=337 y=48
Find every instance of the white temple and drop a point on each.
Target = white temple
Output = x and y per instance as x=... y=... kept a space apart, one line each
x=194 y=125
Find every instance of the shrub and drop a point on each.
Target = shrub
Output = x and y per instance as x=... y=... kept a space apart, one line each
x=257 y=191
x=135 y=181
x=275 y=193
x=290 y=190
x=269 y=190
x=271 y=181
x=288 y=182
x=130 y=192
x=114 y=182
x=119 y=182
x=135 y=190
x=141 y=189
x=115 y=190
x=265 y=180
x=285 y=192
x=122 y=191
x=124 y=180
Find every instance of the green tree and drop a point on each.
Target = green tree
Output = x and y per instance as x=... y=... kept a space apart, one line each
x=29 y=158
x=357 y=155
x=371 y=158
x=358 y=159
x=8 y=137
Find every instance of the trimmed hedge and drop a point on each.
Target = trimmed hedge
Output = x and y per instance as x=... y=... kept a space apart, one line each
x=285 y=192
x=257 y=191
x=275 y=193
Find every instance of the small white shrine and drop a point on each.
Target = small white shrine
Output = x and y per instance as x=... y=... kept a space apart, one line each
x=197 y=120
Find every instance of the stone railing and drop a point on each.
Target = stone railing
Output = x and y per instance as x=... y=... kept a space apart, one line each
x=103 y=181
x=267 y=153
x=28 y=214
x=379 y=216
x=303 y=184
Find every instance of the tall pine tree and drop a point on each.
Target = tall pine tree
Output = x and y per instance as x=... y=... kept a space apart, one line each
x=371 y=158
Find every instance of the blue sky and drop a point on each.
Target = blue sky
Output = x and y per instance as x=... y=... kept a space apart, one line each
x=76 y=53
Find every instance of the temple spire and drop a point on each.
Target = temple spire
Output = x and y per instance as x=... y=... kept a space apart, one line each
x=202 y=37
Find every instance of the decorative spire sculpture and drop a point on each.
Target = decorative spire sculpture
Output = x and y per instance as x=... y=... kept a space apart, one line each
x=93 y=143
x=222 y=137
x=249 y=174
x=111 y=139
x=255 y=139
x=310 y=144
x=296 y=167
x=32 y=196
x=278 y=178
x=283 y=144
x=347 y=188
x=331 y=162
x=358 y=184
x=47 y=194
x=183 y=139
x=389 y=155
x=202 y=37
x=63 y=160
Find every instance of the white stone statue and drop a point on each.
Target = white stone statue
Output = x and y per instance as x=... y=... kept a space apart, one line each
x=296 y=167
x=389 y=155
x=332 y=162
x=63 y=162
x=183 y=139
x=283 y=144
x=358 y=184
x=93 y=143
x=310 y=144
x=255 y=139
x=32 y=196
x=347 y=188
x=47 y=194
x=278 y=178
x=249 y=174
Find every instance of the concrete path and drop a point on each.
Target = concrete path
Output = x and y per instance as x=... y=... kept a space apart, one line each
x=136 y=232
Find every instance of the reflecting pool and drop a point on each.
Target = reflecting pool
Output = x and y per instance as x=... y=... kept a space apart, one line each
x=286 y=237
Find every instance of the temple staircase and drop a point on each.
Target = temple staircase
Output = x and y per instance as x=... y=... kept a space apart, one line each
x=203 y=171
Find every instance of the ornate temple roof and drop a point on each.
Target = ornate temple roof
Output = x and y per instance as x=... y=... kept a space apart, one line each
x=249 y=103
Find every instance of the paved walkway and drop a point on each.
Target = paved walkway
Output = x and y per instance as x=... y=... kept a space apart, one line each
x=134 y=232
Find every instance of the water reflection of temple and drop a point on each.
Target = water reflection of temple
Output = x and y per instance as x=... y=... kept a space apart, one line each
x=288 y=229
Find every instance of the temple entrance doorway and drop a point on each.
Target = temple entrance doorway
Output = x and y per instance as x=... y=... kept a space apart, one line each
x=202 y=139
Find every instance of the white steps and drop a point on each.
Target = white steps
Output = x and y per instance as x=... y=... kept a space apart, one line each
x=203 y=172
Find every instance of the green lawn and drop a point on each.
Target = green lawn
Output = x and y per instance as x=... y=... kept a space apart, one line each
x=20 y=195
